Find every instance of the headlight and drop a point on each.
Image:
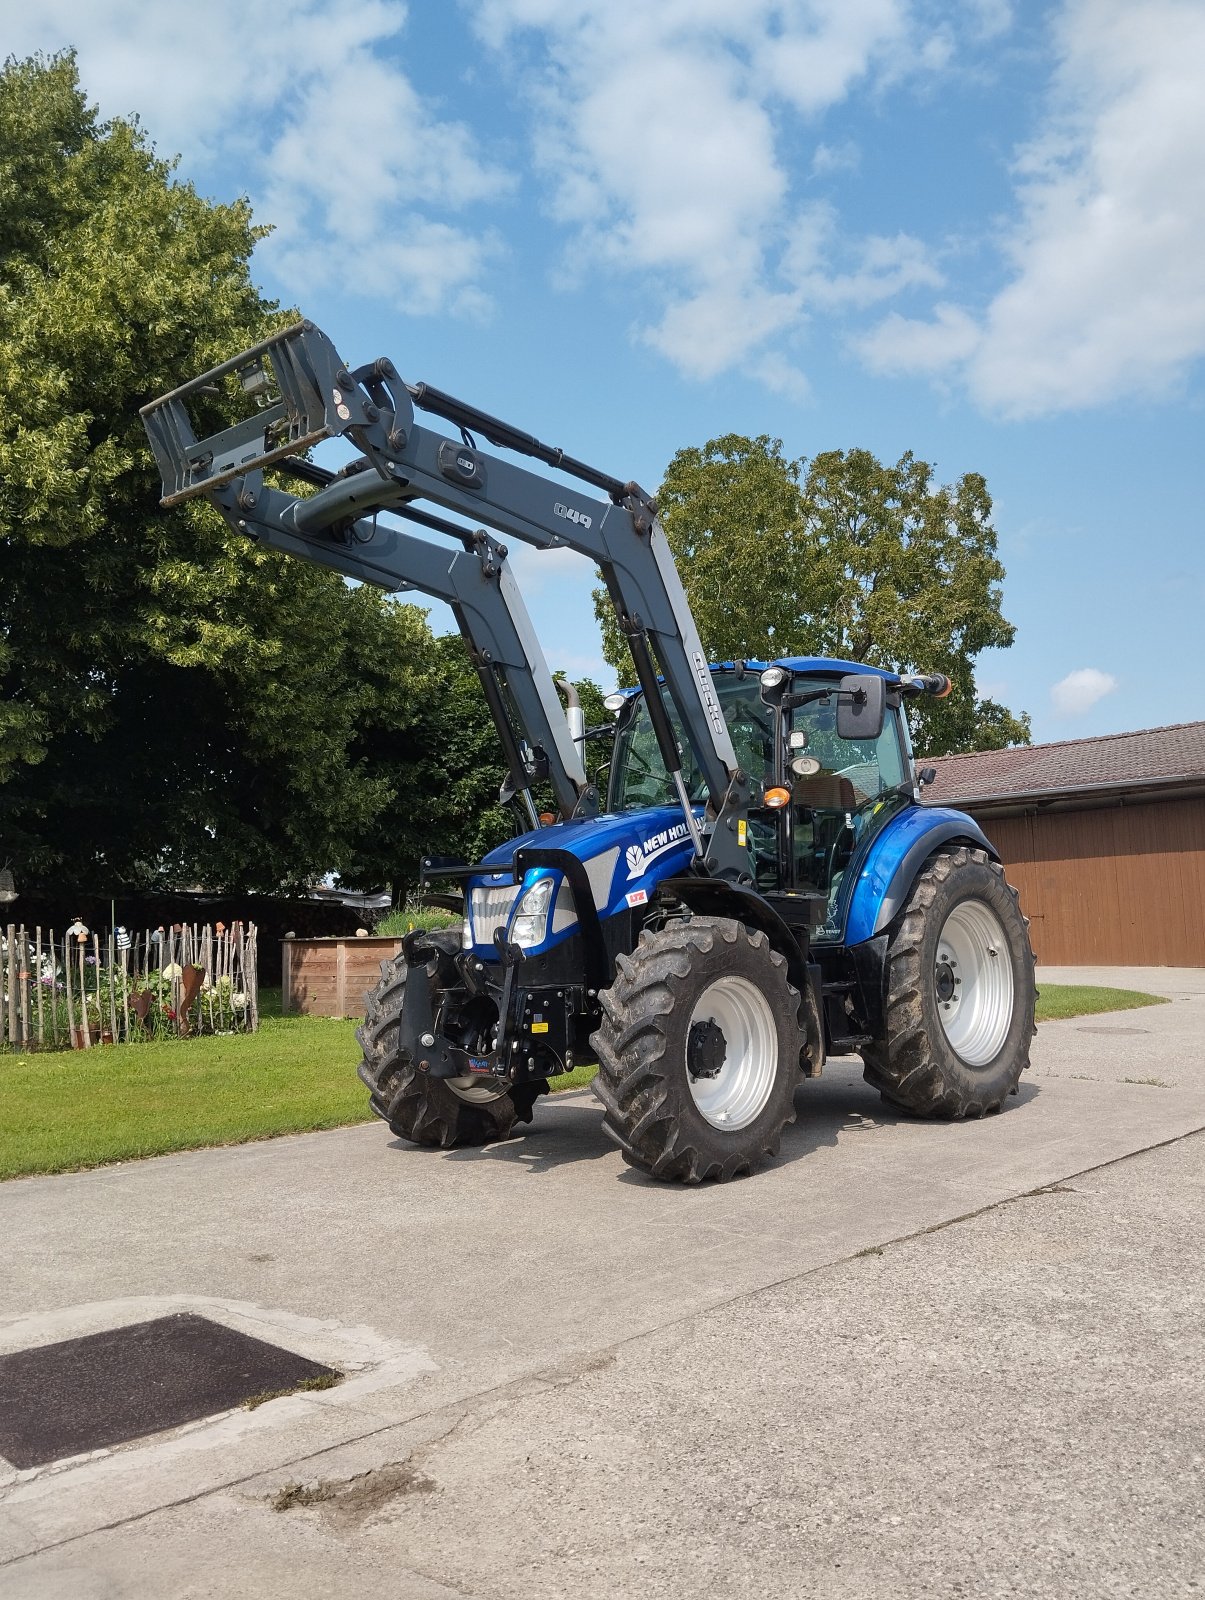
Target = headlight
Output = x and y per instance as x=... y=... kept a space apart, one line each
x=529 y=925
x=772 y=677
x=466 y=932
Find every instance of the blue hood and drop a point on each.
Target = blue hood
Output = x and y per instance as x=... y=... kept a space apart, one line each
x=626 y=854
x=592 y=835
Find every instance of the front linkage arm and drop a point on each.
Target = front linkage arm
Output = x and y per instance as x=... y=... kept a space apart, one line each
x=319 y=398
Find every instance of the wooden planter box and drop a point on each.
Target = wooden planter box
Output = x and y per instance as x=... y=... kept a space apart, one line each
x=331 y=977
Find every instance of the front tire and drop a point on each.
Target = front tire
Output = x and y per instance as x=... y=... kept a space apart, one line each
x=699 y=1051
x=425 y=1110
x=960 y=992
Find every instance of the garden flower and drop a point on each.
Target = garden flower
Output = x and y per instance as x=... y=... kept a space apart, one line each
x=173 y=970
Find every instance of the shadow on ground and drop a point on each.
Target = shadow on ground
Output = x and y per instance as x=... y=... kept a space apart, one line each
x=569 y=1129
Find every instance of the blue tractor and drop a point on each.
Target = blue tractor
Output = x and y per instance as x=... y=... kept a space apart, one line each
x=761 y=887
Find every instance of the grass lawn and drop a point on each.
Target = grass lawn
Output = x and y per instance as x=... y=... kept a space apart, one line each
x=64 y=1110
x=76 y=1108
x=1060 y=1000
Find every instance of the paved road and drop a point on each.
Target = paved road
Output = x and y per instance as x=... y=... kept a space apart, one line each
x=909 y=1359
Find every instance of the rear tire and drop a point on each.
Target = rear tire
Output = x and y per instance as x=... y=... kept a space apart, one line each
x=699 y=1051
x=960 y=992
x=417 y=1107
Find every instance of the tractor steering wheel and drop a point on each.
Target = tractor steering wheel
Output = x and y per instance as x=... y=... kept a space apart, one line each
x=834 y=850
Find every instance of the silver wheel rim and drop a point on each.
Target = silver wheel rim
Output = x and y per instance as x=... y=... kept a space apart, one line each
x=973 y=981
x=738 y=1093
x=474 y=1090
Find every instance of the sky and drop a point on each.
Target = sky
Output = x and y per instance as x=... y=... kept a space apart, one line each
x=971 y=230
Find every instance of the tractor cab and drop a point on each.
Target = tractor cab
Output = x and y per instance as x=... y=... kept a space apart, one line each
x=829 y=789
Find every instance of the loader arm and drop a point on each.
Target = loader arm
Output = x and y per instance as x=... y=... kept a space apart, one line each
x=305 y=394
x=477 y=583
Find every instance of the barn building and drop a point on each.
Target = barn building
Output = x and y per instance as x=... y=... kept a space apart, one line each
x=1104 y=838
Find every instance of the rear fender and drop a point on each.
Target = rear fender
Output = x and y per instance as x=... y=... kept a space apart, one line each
x=897 y=856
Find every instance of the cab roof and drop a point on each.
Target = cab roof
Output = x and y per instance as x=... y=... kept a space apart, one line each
x=815 y=666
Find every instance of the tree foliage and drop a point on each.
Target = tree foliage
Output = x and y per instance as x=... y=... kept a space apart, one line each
x=842 y=556
x=454 y=765
x=176 y=704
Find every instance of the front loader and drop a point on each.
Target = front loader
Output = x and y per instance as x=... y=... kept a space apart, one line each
x=763 y=888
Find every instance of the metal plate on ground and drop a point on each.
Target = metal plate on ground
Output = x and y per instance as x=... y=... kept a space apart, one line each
x=85 y=1394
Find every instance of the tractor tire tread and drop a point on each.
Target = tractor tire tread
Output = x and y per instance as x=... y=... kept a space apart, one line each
x=904 y=1065
x=418 y=1108
x=639 y=1087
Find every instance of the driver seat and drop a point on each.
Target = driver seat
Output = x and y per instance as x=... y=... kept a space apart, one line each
x=825 y=791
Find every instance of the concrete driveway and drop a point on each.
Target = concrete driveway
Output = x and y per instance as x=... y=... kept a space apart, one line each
x=908 y=1359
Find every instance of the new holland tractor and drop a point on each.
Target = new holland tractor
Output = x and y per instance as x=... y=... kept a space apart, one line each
x=761 y=887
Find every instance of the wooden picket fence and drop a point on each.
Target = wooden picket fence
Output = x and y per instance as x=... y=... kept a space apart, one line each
x=79 y=989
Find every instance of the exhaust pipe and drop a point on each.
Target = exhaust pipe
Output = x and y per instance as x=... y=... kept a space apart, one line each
x=574 y=715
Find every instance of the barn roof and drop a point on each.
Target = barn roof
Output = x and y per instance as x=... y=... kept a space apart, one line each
x=1149 y=757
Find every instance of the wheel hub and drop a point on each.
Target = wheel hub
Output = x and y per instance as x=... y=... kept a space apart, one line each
x=706 y=1049
x=945 y=980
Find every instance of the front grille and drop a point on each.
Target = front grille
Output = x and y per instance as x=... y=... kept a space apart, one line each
x=490 y=910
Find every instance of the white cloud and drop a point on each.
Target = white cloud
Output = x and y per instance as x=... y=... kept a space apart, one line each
x=666 y=134
x=723 y=323
x=997 y=689
x=819 y=50
x=871 y=269
x=332 y=141
x=1080 y=690
x=1106 y=296
x=830 y=158
x=992 y=17
x=554 y=573
x=780 y=376
x=909 y=344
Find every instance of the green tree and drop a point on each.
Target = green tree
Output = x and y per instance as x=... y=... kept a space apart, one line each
x=175 y=703
x=454 y=768
x=845 y=557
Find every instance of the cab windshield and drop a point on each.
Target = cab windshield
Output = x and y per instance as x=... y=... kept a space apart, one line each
x=640 y=776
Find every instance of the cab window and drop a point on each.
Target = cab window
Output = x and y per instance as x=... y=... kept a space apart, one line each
x=855 y=787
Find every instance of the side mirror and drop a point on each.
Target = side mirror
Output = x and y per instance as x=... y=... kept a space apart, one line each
x=861 y=706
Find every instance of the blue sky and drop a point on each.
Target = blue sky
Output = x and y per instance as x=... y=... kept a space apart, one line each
x=974 y=231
